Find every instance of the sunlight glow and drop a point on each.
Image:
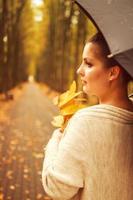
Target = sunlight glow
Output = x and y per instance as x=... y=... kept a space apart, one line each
x=5 y=39
x=37 y=3
x=38 y=18
x=31 y=78
x=37 y=6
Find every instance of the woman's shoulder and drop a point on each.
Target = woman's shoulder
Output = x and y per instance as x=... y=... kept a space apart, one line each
x=87 y=112
x=105 y=111
x=90 y=110
x=81 y=116
x=85 y=119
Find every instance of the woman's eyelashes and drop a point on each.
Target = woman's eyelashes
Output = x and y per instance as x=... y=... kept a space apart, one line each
x=89 y=64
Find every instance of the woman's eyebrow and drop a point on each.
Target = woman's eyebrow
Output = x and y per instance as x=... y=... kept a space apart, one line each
x=88 y=60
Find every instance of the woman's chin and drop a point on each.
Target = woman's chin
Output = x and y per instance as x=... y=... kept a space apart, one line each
x=85 y=90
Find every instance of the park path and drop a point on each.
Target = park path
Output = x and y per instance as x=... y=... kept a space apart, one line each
x=22 y=140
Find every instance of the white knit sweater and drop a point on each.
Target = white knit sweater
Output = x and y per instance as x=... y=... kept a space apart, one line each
x=94 y=158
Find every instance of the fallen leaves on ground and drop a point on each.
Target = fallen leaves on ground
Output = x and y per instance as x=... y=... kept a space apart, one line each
x=21 y=156
x=6 y=104
x=1 y=196
x=47 y=90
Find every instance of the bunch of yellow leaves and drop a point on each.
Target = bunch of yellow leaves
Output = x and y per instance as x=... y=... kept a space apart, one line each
x=68 y=103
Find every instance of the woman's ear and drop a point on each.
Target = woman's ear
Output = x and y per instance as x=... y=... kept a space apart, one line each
x=114 y=73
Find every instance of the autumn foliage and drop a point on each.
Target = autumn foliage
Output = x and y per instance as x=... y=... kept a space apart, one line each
x=68 y=103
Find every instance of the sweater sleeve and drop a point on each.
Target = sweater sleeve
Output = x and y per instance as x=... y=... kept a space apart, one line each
x=63 y=167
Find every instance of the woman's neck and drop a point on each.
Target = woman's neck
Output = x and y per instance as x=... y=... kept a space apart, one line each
x=118 y=98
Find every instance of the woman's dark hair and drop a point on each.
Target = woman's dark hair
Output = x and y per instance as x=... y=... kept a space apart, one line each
x=105 y=52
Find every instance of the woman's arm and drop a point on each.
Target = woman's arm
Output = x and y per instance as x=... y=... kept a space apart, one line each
x=62 y=174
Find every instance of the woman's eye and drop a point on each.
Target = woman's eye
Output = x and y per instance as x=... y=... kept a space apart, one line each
x=89 y=64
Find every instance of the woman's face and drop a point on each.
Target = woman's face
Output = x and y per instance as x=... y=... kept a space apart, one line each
x=94 y=74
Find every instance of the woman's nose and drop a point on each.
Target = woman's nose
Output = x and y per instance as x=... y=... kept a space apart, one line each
x=80 y=70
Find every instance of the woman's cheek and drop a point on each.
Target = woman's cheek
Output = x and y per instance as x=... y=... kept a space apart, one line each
x=85 y=89
x=88 y=76
x=87 y=86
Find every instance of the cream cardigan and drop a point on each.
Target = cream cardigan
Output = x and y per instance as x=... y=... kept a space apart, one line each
x=94 y=158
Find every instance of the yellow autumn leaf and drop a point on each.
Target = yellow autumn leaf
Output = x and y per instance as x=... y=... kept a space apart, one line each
x=12 y=187
x=56 y=100
x=69 y=92
x=9 y=174
x=1 y=196
x=73 y=87
x=39 y=196
x=74 y=101
x=63 y=102
x=68 y=95
x=38 y=155
x=81 y=100
x=71 y=109
x=58 y=121
x=68 y=104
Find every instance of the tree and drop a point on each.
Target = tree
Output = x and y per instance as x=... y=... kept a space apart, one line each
x=65 y=39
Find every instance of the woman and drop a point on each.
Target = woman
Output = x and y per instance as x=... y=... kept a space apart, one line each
x=93 y=159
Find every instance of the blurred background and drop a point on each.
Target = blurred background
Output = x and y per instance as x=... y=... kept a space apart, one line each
x=41 y=43
x=41 y=40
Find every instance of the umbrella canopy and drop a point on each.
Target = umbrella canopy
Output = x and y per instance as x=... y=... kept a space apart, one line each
x=114 y=18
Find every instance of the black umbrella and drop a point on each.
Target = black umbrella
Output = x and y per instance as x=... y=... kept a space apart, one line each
x=114 y=18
